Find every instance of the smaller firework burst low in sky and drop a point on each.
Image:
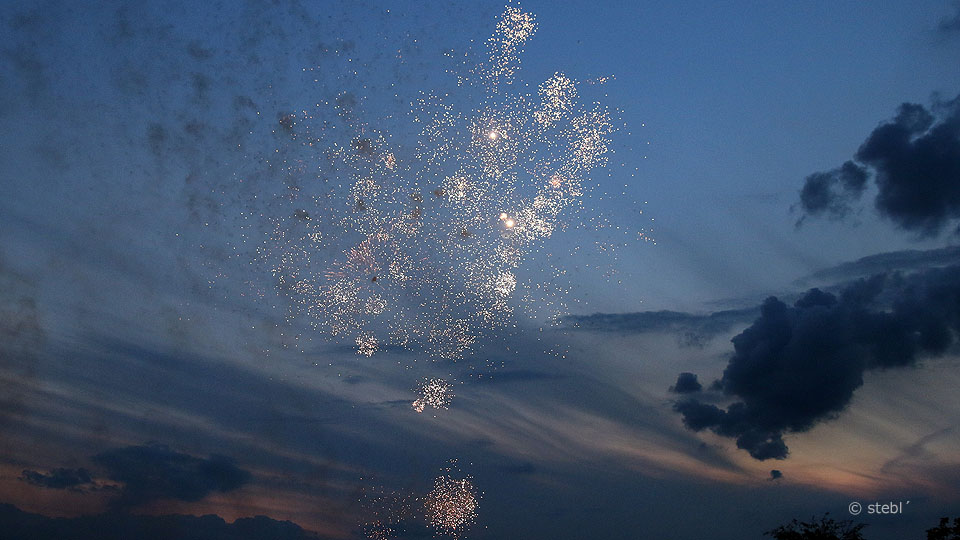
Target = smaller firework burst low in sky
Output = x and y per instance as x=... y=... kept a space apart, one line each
x=451 y=506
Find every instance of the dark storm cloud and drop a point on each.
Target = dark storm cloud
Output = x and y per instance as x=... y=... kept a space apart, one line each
x=687 y=383
x=832 y=193
x=20 y=525
x=155 y=471
x=915 y=160
x=57 y=478
x=776 y=474
x=917 y=167
x=799 y=365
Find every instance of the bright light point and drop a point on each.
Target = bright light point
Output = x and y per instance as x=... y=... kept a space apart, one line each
x=509 y=223
x=493 y=135
x=503 y=216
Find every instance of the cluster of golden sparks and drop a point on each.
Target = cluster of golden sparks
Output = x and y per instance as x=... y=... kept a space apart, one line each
x=436 y=393
x=420 y=244
x=451 y=506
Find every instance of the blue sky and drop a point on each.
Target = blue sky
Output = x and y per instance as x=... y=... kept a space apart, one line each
x=143 y=149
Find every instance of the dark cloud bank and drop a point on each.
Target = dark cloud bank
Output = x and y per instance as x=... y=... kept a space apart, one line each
x=155 y=471
x=908 y=259
x=693 y=329
x=914 y=160
x=799 y=365
x=146 y=473
x=18 y=525
x=73 y=479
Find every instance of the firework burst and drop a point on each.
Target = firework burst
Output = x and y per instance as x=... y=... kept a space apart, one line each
x=451 y=506
x=420 y=243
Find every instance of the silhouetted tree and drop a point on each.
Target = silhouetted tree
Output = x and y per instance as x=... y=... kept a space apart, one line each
x=944 y=531
x=824 y=529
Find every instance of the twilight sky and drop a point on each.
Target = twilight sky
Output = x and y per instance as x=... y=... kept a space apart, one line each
x=192 y=200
